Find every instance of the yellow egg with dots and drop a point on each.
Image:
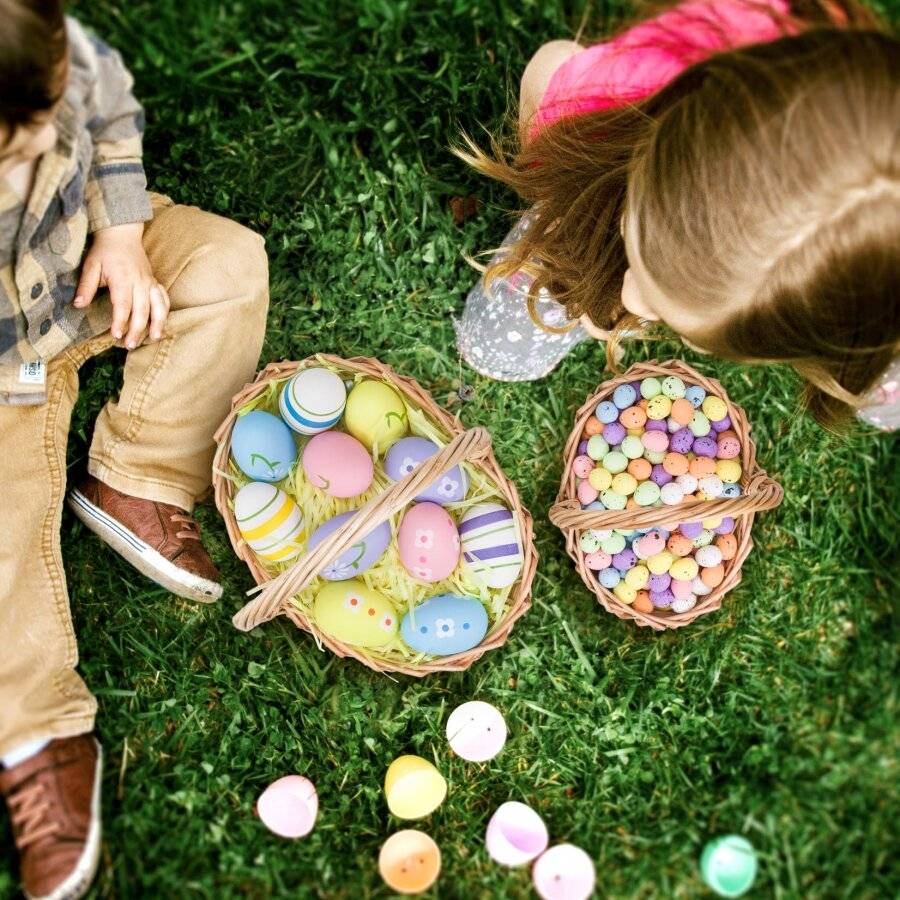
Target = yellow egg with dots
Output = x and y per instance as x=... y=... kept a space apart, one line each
x=600 y=479
x=729 y=470
x=714 y=408
x=624 y=484
x=659 y=407
x=660 y=563
x=625 y=593
x=684 y=569
x=637 y=578
x=712 y=523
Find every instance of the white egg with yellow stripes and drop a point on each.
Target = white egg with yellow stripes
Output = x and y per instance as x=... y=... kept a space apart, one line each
x=270 y=522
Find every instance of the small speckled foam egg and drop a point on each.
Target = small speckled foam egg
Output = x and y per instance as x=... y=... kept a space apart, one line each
x=352 y=612
x=673 y=387
x=269 y=521
x=704 y=538
x=625 y=593
x=729 y=470
x=687 y=483
x=662 y=599
x=338 y=464
x=679 y=545
x=656 y=441
x=695 y=394
x=589 y=542
x=727 y=544
x=624 y=396
x=375 y=414
x=587 y=493
x=631 y=447
x=699 y=424
x=671 y=494
x=684 y=604
x=428 y=542
x=652 y=543
x=681 y=589
x=682 y=441
x=637 y=577
x=711 y=485
x=609 y=578
x=700 y=466
x=660 y=563
x=615 y=462
x=642 y=602
x=633 y=417
x=650 y=387
x=639 y=469
x=597 y=447
x=611 y=500
x=647 y=493
x=676 y=464
x=659 y=408
x=613 y=544
x=708 y=556
x=713 y=575
x=598 y=560
x=728 y=447
x=607 y=412
x=313 y=400
x=684 y=569
x=600 y=479
x=625 y=560
x=705 y=446
x=699 y=588
x=682 y=411
x=407 y=454
x=714 y=408
x=691 y=530
x=623 y=483
x=614 y=433
x=726 y=526
x=491 y=547
x=731 y=490
x=655 y=458
x=592 y=428
x=582 y=466
x=263 y=446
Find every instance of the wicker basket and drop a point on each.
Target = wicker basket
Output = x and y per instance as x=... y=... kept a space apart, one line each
x=472 y=446
x=759 y=493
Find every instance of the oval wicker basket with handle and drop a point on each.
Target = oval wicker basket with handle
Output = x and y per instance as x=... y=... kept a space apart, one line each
x=759 y=492
x=279 y=589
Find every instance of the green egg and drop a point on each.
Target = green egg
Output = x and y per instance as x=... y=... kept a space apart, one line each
x=699 y=424
x=653 y=457
x=612 y=500
x=589 y=542
x=614 y=462
x=597 y=447
x=615 y=543
x=673 y=387
x=632 y=447
x=650 y=387
x=647 y=493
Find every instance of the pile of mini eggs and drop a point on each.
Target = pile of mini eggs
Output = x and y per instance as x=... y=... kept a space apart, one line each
x=659 y=442
x=339 y=435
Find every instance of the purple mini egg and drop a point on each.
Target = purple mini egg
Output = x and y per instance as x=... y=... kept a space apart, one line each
x=682 y=440
x=721 y=425
x=614 y=433
x=659 y=583
x=705 y=446
x=659 y=475
x=407 y=454
x=362 y=555
x=691 y=530
x=625 y=560
x=582 y=448
x=655 y=425
x=662 y=598
x=726 y=526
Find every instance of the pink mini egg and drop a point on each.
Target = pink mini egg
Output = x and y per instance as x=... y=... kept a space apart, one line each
x=728 y=447
x=338 y=464
x=582 y=466
x=587 y=493
x=651 y=544
x=597 y=561
x=681 y=589
x=428 y=542
x=655 y=441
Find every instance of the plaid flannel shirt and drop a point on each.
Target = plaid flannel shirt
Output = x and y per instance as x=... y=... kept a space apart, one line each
x=92 y=179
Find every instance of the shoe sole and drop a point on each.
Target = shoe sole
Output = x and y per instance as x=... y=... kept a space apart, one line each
x=141 y=555
x=79 y=880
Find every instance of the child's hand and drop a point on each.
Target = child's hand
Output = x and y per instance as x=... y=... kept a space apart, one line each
x=117 y=261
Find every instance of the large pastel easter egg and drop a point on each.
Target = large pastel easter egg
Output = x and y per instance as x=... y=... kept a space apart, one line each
x=289 y=806
x=445 y=624
x=476 y=731
x=491 y=548
x=338 y=464
x=262 y=446
x=404 y=457
x=413 y=787
x=515 y=835
x=409 y=862
x=428 y=542
x=362 y=555
x=564 y=872
x=375 y=414
x=352 y=612
x=269 y=521
x=313 y=400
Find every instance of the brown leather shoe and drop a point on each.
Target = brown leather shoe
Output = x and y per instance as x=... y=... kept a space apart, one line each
x=158 y=539
x=54 y=803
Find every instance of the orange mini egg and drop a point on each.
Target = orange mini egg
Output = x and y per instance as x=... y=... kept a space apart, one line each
x=642 y=404
x=702 y=465
x=593 y=426
x=727 y=544
x=682 y=411
x=640 y=468
x=675 y=464
x=631 y=503
x=679 y=545
x=642 y=602
x=713 y=575
x=633 y=417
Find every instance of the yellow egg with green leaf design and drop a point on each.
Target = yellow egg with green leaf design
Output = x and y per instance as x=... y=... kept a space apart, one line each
x=375 y=414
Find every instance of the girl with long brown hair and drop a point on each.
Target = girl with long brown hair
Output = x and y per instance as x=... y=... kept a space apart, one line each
x=729 y=168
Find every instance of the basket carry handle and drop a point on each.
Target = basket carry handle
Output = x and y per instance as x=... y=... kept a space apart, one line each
x=760 y=493
x=471 y=445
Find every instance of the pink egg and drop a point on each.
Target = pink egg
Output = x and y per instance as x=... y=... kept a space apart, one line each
x=651 y=544
x=681 y=589
x=597 y=561
x=338 y=464
x=655 y=441
x=728 y=448
x=587 y=493
x=582 y=466
x=428 y=542
x=289 y=806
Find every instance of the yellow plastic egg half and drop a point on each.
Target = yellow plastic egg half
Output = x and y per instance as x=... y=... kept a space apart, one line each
x=413 y=787
x=375 y=414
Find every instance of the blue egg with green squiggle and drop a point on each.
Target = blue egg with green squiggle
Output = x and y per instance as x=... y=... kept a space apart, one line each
x=361 y=556
x=445 y=624
x=263 y=446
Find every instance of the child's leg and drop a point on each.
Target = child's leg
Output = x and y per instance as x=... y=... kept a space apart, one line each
x=41 y=696
x=156 y=441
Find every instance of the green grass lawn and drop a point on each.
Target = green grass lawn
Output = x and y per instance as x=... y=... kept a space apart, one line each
x=327 y=130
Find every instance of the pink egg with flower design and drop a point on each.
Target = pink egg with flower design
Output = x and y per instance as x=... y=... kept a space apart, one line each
x=428 y=541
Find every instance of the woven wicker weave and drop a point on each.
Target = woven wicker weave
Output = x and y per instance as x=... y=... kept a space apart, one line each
x=473 y=446
x=759 y=493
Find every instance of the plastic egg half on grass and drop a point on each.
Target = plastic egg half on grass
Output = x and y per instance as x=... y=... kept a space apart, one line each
x=515 y=835
x=728 y=865
x=289 y=806
x=409 y=862
x=564 y=872
x=413 y=787
x=476 y=731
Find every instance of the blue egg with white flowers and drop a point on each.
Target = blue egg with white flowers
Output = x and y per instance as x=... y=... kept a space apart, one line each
x=263 y=446
x=445 y=624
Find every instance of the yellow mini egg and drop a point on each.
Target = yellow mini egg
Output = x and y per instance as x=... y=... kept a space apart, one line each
x=625 y=593
x=637 y=577
x=684 y=569
x=660 y=563
x=729 y=470
x=600 y=479
x=659 y=407
x=712 y=523
x=375 y=414
x=714 y=408
x=269 y=521
x=413 y=787
x=624 y=484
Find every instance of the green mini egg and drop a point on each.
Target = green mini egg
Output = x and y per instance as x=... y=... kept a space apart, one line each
x=653 y=457
x=597 y=447
x=699 y=424
x=353 y=613
x=646 y=493
x=589 y=542
x=612 y=500
x=375 y=414
x=673 y=387
x=614 y=544
x=615 y=462
x=650 y=387
x=632 y=447
x=704 y=539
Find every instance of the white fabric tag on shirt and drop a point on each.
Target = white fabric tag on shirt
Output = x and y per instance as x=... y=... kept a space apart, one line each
x=33 y=373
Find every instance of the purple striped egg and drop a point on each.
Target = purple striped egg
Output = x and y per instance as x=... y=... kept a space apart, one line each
x=491 y=547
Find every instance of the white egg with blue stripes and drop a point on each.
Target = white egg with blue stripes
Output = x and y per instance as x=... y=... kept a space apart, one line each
x=491 y=546
x=313 y=400
x=270 y=522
